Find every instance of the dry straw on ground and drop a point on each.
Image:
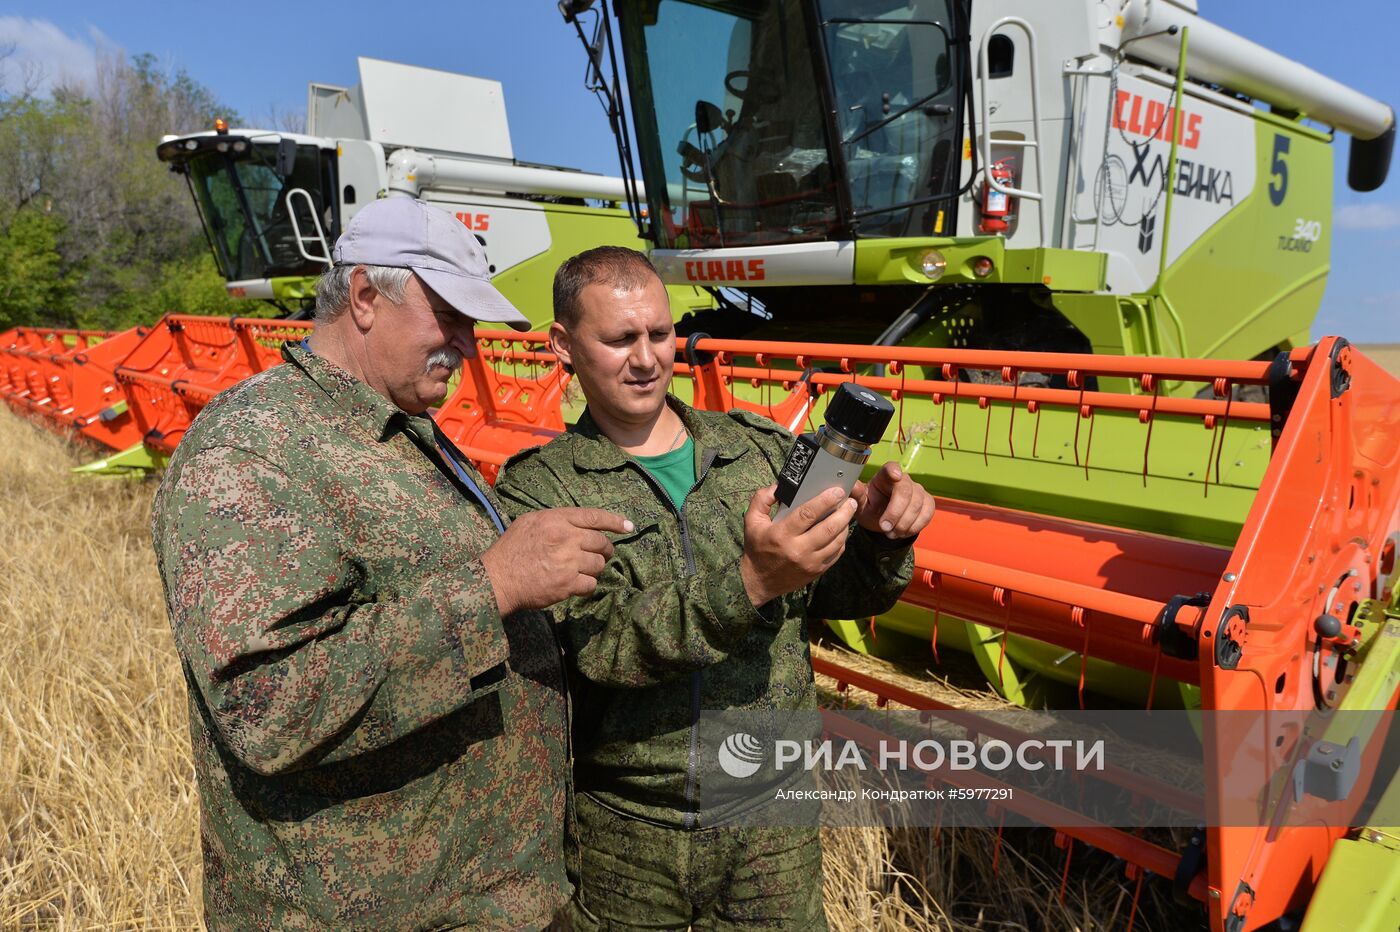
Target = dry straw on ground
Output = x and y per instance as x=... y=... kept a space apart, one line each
x=1385 y=355
x=97 y=799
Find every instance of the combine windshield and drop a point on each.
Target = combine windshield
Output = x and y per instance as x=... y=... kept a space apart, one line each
x=783 y=121
x=257 y=231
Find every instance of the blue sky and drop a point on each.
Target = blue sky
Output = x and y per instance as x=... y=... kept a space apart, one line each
x=258 y=58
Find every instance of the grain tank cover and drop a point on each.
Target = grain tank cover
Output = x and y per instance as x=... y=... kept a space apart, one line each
x=423 y=108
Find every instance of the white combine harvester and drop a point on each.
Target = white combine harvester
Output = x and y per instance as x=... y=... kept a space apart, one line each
x=273 y=203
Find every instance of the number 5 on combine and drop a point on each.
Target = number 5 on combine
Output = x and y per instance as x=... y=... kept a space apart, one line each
x=1278 y=169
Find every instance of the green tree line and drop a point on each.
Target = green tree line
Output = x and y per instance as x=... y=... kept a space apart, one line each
x=95 y=232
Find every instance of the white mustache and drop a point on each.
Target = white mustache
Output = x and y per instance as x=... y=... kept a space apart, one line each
x=446 y=357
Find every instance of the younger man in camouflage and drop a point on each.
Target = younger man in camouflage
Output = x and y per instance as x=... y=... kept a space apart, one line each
x=704 y=606
x=376 y=703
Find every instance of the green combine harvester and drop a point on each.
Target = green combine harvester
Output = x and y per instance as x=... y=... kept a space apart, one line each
x=1075 y=176
x=991 y=180
x=1080 y=243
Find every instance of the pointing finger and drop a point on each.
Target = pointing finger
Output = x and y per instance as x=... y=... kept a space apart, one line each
x=598 y=520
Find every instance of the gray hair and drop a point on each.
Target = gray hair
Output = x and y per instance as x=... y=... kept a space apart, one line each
x=333 y=288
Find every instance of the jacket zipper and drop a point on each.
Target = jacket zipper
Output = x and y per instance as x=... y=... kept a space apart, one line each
x=570 y=801
x=693 y=755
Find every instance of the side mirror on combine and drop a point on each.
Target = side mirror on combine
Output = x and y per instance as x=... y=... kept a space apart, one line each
x=286 y=158
x=1369 y=161
x=708 y=117
x=570 y=9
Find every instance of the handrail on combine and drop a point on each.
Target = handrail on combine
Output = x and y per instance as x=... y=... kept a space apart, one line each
x=1271 y=609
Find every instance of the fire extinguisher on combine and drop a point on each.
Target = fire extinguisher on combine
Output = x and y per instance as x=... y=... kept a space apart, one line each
x=998 y=207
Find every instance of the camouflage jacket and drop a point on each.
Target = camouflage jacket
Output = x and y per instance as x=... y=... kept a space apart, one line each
x=670 y=630
x=376 y=748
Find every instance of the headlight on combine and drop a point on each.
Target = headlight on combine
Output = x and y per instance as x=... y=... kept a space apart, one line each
x=982 y=266
x=933 y=265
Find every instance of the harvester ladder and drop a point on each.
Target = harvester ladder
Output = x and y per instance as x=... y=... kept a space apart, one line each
x=294 y=196
x=1032 y=142
x=1079 y=134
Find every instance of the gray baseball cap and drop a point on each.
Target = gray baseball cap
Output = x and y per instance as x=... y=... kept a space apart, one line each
x=406 y=233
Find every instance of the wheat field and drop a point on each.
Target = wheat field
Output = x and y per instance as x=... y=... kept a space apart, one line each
x=1386 y=355
x=98 y=808
x=97 y=797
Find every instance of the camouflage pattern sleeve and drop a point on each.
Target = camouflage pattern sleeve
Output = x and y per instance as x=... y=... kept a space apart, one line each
x=295 y=667
x=644 y=624
x=621 y=636
x=867 y=580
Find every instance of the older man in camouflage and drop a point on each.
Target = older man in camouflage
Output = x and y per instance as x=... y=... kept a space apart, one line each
x=704 y=607
x=376 y=701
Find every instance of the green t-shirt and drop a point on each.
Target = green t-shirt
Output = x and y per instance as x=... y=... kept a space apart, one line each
x=675 y=470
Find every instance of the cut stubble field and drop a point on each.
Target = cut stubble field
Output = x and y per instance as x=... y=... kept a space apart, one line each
x=98 y=807
x=97 y=794
x=1386 y=355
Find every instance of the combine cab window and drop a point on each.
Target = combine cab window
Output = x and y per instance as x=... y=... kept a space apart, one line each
x=896 y=110
x=249 y=217
x=735 y=123
x=731 y=101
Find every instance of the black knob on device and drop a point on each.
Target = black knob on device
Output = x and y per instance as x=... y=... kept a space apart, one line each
x=859 y=413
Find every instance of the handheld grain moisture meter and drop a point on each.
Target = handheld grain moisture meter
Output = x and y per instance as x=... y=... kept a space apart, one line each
x=833 y=457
